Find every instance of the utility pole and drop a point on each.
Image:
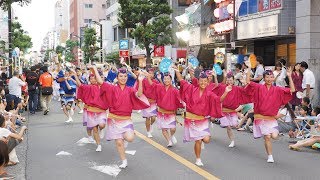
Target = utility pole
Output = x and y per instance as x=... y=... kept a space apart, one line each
x=101 y=44
x=10 y=39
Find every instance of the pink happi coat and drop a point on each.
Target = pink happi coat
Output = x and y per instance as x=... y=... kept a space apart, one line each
x=90 y=95
x=234 y=98
x=267 y=102
x=206 y=105
x=122 y=101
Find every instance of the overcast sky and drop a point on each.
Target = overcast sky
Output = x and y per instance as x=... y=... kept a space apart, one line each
x=36 y=18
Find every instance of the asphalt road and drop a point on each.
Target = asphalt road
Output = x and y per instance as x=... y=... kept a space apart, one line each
x=49 y=135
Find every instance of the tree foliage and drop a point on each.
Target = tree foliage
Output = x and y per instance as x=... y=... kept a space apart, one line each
x=149 y=22
x=4 y=4
x=67 y=51
x=19 y=38
x=112 y=57
x=70 y=45
x=89 y=48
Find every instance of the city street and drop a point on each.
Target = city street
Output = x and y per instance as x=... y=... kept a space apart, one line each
x=49 y=135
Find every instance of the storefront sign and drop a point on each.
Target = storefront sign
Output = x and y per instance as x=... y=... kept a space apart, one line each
x=138 y=51
x=123 y=53
x=124 y=44
x=158 y=51
x=261 y=27
x=115 y=46
x=249 y=7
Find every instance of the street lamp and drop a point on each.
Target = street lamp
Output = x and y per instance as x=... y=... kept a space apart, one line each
x=101 y=43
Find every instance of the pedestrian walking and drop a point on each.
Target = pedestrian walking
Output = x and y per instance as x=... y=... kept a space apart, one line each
x=46 y=83
x=33 y=89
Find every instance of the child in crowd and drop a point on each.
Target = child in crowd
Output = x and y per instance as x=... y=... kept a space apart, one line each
x=314 y=138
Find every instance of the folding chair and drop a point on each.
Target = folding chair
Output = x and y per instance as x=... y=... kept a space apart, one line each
x=302 y=124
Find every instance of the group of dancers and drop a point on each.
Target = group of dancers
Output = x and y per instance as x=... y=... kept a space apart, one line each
x=108 y=106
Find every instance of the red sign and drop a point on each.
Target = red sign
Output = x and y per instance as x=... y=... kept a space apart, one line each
x=182 y=54
x=274 y=4
x=123 y=53
x=158 y=51
x=265 y=5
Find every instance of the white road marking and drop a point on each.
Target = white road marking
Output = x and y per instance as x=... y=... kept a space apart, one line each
x=63 y=153
x=112 y=170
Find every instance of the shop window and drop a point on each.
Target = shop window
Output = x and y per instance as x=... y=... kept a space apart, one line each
x=292 y=54
x=282 y=50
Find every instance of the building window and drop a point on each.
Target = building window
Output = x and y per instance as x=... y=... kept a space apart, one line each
x=108 y=3
x=115 y=34
x=108 y=18
x=87 y=21
x=88 y=5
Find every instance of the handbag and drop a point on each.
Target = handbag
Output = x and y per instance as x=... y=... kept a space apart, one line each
x=47 y=90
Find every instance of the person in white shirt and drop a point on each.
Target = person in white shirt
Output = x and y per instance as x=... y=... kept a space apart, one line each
x=280 y=73
x=285 y=119
x=10 y=138
x=258 y=75
x=15 y=84
x=308 y=81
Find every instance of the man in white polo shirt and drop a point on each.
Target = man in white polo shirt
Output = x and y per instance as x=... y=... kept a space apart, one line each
x=15 y=84
x=308 y=81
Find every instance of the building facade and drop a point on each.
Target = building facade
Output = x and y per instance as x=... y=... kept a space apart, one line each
x=61 y=20
x=83 y=13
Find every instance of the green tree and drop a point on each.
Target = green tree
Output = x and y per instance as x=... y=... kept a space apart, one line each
x=60 y=49
x=112 y=57
x=5 y=3
x=149 y=21
x=19 y=38
x=89 y=48
x=70 y=46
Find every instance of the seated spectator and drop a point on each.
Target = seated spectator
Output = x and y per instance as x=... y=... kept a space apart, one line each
x=12 y=138
x=247 y=116
x=313 y=139
x=285 y=119
x=306 y=102
x=4 y=160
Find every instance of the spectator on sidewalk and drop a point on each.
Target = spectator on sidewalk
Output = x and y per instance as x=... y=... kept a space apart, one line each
x=4 y=160
x=12 y=139
x=46 y=82
x=308 y=81
x=32 y=80
x=15 y=84
x=297 y=80
x=258 y=75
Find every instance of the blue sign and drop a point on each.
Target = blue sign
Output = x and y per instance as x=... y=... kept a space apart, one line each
x=124 y=44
